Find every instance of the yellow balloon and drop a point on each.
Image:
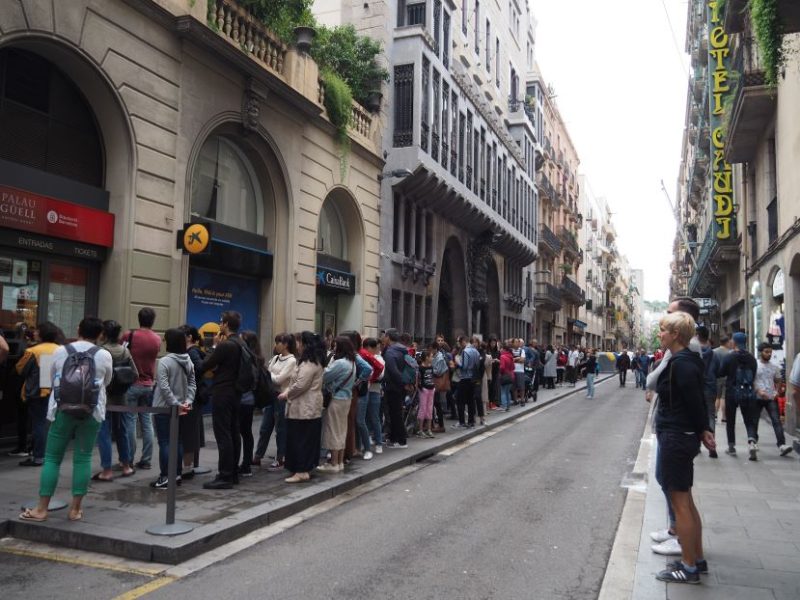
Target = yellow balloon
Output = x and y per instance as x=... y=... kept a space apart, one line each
x=195 y=238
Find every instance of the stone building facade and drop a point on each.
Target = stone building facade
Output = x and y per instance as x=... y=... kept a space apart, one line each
x=120 y=121
x=458 y=202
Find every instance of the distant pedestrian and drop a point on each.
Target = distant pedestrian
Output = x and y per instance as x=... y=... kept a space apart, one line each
x=394 y=357
x=550 y=369
x=506 y=376
x=740 y=369
x=623 y=366
x=339 y=377
x=721 y=351
x=282 y=368
x=191 y=428
x=572 y=366
x=589 y=368
x=248 y=406
x=561 y=365
x=368 y=419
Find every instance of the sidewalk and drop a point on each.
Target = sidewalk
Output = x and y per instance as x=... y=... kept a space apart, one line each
x=751 y=525
x=117 y=513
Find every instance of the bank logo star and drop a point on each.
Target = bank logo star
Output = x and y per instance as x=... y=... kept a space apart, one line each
x=321 y=277
x=195 y=237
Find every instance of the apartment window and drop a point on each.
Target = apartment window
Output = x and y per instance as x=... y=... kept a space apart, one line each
x=497 y=62
x=445 y=122
x=513 y=82
x=464 y=5
x=476 y=161
x=396 y=308
x=772 y=221
x=488 y=46
x=437 y=25
x=462 y=121
x=425 y=108
x=403 y=105
x=436 y=116
x=454 y=134
x=484 y=163
x=408 y=307
x=398 y=211
x=446 y=39
x=477 y=27
x=469 y=150
x=415 y=13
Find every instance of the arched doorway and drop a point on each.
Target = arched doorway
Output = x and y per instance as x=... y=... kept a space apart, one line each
x=452 y=314
x=340 y=251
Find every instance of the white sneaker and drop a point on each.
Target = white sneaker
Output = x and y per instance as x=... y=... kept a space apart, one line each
x=784 y=450
x=662 y=535
x=753 y=449
x=328 y=468
x=378 y=449
x=367 y=455
x=671 y=547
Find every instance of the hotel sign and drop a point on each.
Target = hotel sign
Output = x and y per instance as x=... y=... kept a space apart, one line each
x=721 y=172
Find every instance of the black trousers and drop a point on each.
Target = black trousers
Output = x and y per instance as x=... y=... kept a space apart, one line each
x=394 y=401
x=246 y=429
x=439 y=404
x=466 y=400
x=225 y=420
x=623 y=374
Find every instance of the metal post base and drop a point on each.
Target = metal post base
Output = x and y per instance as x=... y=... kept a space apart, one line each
x=201 y=470
x=55 y=504
x=176 y=528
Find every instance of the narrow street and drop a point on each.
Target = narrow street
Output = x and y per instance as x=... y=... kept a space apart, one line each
x=528 y=513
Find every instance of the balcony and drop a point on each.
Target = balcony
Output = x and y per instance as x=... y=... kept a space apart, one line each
x=753 y=106
x=547 y=296
x=572 y=292
x=548 y=241
x=570 y=242
x=546 y=188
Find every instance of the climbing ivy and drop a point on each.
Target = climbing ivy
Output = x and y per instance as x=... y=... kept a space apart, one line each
x=769 y=37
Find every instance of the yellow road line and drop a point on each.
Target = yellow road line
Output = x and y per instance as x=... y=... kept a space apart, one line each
x=82 y=562
x=146 y=588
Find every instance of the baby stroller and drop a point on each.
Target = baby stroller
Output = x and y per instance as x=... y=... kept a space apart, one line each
x=531 y=389
x=410 y=407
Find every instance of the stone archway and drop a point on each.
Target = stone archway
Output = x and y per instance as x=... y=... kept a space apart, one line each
x=452 y=316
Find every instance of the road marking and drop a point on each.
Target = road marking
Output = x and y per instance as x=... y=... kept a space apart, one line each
x=79 y=561
x=145 y=589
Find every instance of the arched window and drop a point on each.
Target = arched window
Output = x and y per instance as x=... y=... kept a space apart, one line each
x=331 y=237
x=225 y=188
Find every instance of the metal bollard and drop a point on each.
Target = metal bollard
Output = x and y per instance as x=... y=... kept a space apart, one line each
x=171 y=527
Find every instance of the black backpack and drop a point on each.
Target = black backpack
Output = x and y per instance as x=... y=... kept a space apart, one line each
x=264 y=393
x=248 y=375
x=78 y=389
x=123 y=377
x=743 y=391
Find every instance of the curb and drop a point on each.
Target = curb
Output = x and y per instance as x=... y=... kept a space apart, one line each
x=175 y=550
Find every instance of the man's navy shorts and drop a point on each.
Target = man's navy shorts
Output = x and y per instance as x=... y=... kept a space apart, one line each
x=675 y=468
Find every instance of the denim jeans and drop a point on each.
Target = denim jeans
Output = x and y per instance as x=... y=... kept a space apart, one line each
x=771 y=407
x=368 y=418
x=139 y=395
x=37 y=410
x=162 y=433
x=273 y=418
x=640 y=379
x=590 y=385
x=505 y=395
x=749 y=416
x=104 y=444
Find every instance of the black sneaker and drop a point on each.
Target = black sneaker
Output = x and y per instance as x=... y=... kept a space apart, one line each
x=160 y=484
x=679 y=575
x=712 y=454
x=30 y=462
x=245 y=472
x=144 y=466
x=218 y=484
x=702 y=566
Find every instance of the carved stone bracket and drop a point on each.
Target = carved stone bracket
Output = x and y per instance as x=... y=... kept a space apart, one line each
x=417 y=269
x=253 y=97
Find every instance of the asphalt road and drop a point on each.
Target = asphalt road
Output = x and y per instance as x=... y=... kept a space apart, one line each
x=525 y=514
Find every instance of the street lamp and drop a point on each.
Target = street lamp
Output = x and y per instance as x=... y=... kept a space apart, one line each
x=394 y=173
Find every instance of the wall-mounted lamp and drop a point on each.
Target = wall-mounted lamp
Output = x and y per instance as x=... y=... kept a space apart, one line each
x=394 y=173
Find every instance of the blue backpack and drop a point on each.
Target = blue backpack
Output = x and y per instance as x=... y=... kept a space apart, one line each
x=410 y=372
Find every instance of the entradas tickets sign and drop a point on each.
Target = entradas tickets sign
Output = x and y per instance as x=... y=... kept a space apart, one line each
x=721 y=172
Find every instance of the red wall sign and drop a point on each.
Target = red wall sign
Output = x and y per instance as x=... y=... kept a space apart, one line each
x=39 y=214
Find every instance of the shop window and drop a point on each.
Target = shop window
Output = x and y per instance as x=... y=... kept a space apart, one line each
x=46 y=122
x=225 y=188
x=331 y=238
x=19 y=284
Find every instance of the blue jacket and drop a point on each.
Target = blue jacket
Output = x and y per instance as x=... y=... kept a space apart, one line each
x=339 y=378
x=394 y=357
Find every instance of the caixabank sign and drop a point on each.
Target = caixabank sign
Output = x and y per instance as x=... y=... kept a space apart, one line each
x=336 y=281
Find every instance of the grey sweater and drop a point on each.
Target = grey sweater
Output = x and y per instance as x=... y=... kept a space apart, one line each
x=175 y=382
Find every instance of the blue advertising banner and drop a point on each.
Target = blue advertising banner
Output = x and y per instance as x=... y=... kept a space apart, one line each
x=211 y=293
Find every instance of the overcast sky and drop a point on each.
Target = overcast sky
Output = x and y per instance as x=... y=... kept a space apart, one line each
x=621 y=89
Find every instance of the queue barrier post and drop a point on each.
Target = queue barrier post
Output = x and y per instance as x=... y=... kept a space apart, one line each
x=171 y=527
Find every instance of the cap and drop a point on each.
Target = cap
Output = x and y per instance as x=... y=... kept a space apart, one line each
x=740 y=339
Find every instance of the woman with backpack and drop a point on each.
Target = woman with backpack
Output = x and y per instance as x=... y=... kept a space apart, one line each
x=175 y=386
x=304 y=409
x=125 y=374
x=339 y=378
